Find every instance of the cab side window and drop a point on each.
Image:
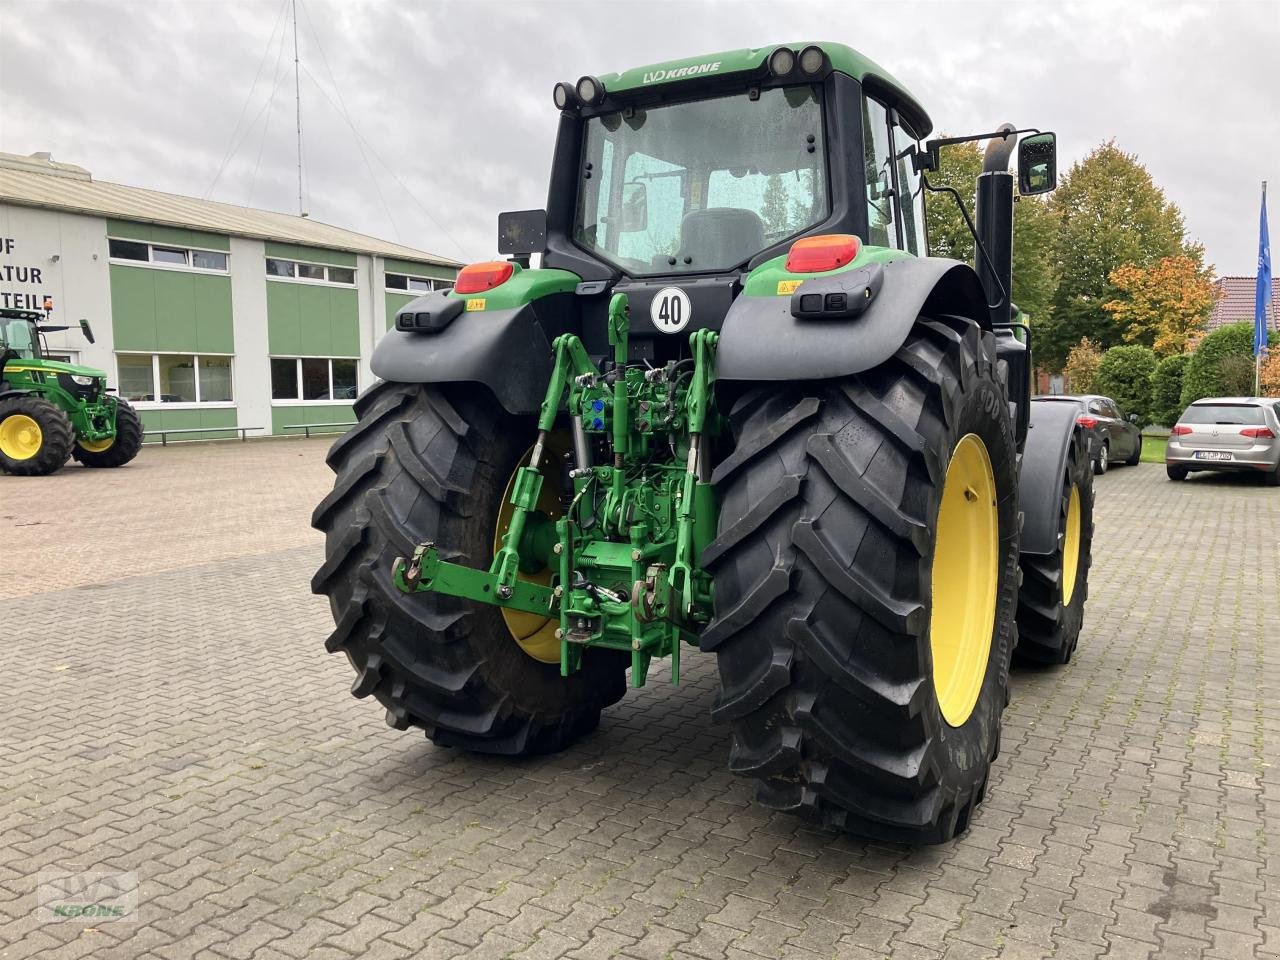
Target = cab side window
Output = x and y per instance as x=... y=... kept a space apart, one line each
x=911 y=201
x=878 y=154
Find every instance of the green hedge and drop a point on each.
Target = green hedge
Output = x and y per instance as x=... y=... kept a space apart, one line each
x=1204 y=374
x=1125 y=376
x=1166 y=389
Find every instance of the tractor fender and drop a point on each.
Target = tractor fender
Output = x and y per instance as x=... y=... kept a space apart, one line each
x=1050 y=433
x=761 y=340
x=505 y=350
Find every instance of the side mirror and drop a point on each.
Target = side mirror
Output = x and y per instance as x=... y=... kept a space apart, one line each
x=1132 y=418
x=635 y=207
x=87 y=331
x=1037 y=164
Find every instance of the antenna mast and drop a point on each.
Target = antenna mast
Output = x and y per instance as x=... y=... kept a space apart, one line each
x=297 y=103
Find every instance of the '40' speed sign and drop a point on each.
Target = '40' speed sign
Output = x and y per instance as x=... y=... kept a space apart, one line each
x=670 y=310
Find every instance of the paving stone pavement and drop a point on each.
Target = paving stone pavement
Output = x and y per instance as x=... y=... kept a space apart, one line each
x=169 y=710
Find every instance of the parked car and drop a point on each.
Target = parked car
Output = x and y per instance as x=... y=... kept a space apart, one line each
x=1112 y=436
x=1226 y=433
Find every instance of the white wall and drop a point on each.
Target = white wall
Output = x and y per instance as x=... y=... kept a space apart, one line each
x=249 y=329
x=69 y=252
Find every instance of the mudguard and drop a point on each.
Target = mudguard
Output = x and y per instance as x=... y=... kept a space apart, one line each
x=1044 y=459
x=761 y=340
x=505 y=350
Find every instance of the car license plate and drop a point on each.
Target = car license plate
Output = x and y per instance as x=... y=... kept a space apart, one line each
x=1211 y=455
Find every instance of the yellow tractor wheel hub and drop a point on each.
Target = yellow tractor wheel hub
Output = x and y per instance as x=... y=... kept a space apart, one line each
x=1071 y=547
x=20 y=437
x=97 y=446
x=535 y=633
x=966 y=571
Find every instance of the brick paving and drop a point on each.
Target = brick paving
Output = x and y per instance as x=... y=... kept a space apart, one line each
x=169 y=710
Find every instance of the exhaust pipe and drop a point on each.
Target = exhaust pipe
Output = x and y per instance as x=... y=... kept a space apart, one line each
x=995 y=225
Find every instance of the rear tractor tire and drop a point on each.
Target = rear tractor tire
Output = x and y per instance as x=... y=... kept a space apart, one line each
x=1055 y=587
x=35 y=436
x=115 y=451
x=432 y=463
x=865 y=572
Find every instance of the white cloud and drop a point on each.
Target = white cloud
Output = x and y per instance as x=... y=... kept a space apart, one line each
x=455 y=97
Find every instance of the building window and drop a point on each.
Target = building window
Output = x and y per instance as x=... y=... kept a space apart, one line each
x=138 y=252
x=314 y=378
x=402 y=283
x=314 y=272
x=174 y=378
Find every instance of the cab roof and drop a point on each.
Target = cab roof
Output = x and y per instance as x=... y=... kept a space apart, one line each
x=844 y=59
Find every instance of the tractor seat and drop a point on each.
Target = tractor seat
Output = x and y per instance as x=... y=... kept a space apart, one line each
x=719 y=237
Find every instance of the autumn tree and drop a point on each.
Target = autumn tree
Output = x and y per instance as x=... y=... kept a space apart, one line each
x=1271 y=374
x=1082 y=365
x=1107 y=212
x=1163 y=306
x=1034 y=281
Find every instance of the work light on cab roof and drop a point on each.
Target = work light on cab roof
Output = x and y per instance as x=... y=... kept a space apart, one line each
x=735 y=407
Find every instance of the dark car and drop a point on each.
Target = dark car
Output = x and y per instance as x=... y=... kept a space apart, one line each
x=1113 y=436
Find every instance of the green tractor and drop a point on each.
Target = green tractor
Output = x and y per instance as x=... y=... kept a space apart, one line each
x=51 y=411
x=735 y=407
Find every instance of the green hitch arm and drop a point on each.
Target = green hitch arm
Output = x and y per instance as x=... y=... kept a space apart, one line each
x=619 y=336
x=703 y=343
x=425 y=572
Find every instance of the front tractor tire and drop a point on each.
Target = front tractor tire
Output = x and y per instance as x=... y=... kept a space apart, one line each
x=35 y=436
x=865 y=572
x=1055 y=587
x=114 y=451
x=431 y=463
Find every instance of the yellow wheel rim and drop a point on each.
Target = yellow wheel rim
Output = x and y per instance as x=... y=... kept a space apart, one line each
x=535 y=633
x=20 y=437
x=97 y=446
x=1071 y=547
x=965 y=575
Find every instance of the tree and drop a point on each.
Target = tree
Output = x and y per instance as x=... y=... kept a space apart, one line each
x=773 y=210
x=1125 y=375
x=1271 y=374
x=1164 y=305
x=1166 y=389
x=1082 y=366
x=1206 y=377
x=1034 y=280
x=1108 y=212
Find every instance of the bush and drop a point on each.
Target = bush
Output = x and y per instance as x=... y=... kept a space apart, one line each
x=1125 y=376
x=1082 y=366
x=1205 y=375
x=1271 y=374
x=1166 y=389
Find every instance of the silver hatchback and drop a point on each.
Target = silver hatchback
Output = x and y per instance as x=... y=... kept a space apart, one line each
x=1227 y=433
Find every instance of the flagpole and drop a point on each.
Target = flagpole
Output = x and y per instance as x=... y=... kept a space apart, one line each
x=1263 y=297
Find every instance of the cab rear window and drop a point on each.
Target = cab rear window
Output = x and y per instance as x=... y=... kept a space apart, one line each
x=1235 y=413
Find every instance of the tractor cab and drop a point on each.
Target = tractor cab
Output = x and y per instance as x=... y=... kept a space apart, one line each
x=19 y=336
x=23 y=354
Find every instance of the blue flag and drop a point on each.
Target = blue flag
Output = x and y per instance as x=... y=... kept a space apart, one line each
x=1264 y=281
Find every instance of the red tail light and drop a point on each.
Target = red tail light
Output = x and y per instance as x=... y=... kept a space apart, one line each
x=1088 y=422
x=822 y=253
x=1260 y=433
x=1180 y=431
x=479 y=277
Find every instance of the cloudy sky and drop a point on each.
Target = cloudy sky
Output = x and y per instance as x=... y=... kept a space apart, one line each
x=422 y=120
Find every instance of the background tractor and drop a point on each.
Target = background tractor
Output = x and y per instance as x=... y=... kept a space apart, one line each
x=737 y=407
x=51 y=411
